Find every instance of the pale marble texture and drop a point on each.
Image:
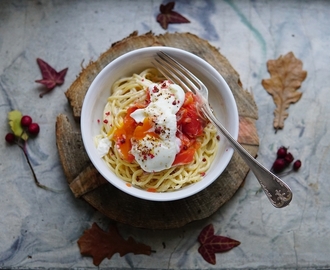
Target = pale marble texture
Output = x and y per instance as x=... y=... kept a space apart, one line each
x=40 y=229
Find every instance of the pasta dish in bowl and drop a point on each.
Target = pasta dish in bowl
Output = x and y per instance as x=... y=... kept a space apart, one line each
x=146 y=136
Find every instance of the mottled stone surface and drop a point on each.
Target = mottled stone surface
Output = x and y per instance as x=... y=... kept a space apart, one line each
x=40 y=229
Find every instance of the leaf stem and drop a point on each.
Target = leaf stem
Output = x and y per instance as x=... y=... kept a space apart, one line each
x=23 y=147
x=45 y=92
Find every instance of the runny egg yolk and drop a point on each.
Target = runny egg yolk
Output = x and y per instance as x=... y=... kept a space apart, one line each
x=147 y=128
x=154 y=141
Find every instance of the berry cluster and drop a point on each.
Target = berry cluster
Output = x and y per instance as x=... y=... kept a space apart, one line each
x=23 y=125
x=283 y=160
x=26 y=123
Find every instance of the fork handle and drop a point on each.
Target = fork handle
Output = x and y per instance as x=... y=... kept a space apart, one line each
x=278 y=192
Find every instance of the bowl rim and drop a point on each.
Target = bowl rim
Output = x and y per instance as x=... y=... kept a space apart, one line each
x=137 y=192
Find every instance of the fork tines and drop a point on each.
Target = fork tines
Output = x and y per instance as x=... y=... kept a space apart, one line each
x=176 y=72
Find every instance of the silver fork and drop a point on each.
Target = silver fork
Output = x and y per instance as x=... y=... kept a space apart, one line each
x=278 y=192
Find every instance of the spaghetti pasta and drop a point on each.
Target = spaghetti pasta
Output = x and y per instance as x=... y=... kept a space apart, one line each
x=132 y=92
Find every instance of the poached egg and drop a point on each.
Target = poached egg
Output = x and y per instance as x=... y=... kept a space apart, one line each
x=156 y=153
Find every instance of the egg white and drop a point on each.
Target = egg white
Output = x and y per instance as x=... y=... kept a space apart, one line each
x=156 y=154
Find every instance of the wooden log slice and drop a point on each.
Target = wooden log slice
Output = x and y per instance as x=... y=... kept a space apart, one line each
x=84 y=180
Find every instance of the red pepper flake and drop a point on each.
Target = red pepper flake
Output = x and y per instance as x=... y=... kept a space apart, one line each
x=155 y=90
x=218 y=137
x=174 y=102
x=98 y=121
x=164 y=85
x=151 y=190
x=203 y=174
x=129 y=184
x=105 y=121
x=151 y=155
x=158 y=130
x=107 y=113
x=204 y=159
x=122 y=140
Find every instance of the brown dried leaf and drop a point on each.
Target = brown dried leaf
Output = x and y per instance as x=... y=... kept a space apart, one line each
x=100 y=244
x=286 y=77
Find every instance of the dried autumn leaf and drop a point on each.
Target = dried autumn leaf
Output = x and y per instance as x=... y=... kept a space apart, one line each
x=167 y=15
x=286 y=77
x=100 y=244
x=50 y=77
x=211 y=244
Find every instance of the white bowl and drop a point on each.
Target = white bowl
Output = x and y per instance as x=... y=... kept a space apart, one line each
x=220 y=98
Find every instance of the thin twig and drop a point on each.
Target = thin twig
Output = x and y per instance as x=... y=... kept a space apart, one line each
x=32 y=170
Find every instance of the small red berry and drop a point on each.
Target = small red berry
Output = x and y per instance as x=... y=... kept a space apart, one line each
x=288 y=158
x=281 y=152
x=10 y=138
x=296 y=165
x=33 y=128
x=279 y=165
x=26 y=121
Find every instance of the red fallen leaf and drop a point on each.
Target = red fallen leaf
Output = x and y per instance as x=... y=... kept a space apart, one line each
x=167 y=15
x=211 y=244
x=100 y=244
x=50 y=77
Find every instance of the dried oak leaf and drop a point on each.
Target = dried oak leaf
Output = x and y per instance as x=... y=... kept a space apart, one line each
x=50 y=77
x=100 y=244
x=211 y=244
x=286 y=77
x=167 y=15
